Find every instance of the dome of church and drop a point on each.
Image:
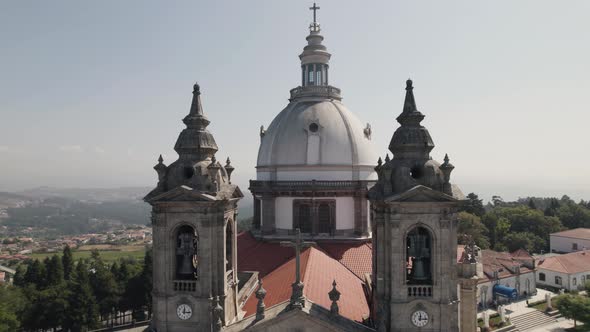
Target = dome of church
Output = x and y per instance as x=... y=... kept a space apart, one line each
x=342 y=139
x=316 y=137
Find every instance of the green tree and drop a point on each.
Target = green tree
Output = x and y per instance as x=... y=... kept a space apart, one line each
x=52 y=306
x=497 y=227
x=532 y=204
x=12 y=306
x=83 y=312
x=35 y=274
x=55 y=271
x=522 y=219
x=554 y=205
x=574 y=307
x=104 y=286
x=470 y=228
x=19 y=276
x=523 y=240
x=67 y=260
x=497 y=201
x=474 y=205
x=573 y=215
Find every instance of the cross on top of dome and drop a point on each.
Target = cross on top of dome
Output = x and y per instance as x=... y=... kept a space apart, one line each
x=315 y=26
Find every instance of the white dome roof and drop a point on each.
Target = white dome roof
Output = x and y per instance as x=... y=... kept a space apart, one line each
x=317 y=135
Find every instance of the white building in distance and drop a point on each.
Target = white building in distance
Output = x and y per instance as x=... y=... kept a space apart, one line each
x=568 y=271
x=570 y=241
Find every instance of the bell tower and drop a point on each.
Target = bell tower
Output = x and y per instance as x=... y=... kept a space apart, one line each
x=413 y=207
x=194 y=209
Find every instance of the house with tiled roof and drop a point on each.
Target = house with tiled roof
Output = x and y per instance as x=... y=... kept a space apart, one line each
x=515 y=270
x=567 y=271
x=570 y=240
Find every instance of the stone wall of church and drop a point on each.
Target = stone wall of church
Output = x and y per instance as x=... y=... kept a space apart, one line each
x=169 y=293
x=392 y=223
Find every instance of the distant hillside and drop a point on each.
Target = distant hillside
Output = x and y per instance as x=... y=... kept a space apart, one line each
x=10 y=200
x=88 y=194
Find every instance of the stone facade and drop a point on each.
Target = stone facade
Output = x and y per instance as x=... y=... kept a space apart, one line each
x=414 y=233
x=194 y=209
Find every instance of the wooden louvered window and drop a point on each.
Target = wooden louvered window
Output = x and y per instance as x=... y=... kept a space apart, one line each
x=314 y=216
x=305 y=218
x=325 y=218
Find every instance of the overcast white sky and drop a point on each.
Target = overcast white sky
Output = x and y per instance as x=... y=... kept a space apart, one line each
x=92 y=92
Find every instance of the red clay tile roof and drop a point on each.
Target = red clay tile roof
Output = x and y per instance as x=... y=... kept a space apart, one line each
x=357 y=257
x=578 y=233
x=574 y=262
x=500 y=261
x=264 y=257
x=318 y=270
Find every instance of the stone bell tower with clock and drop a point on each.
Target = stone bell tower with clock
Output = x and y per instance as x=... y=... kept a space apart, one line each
x=194 y=208
x=413 y=207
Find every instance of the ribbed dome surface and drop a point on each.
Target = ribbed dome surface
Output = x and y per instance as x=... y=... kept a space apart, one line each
x=342 y=137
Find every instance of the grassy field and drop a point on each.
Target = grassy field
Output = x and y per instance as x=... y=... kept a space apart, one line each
x=107 y=253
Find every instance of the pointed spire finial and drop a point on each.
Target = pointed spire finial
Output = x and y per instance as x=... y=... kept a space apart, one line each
x=196 y=107
x=160 y=159
x=334 y=295
x=446 y=158
x=229 y=169
x=387 y=158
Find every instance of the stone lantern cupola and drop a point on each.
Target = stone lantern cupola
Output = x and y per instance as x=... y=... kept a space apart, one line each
x=196 y=166
x=411 y=164
x=315 y=56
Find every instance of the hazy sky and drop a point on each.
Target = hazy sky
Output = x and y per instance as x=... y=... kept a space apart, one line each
x=92 y=92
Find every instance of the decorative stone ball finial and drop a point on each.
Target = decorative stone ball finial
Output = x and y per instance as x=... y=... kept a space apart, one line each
x=409 y=84
x=196 y=88
x=161 y=170
x=334 y=295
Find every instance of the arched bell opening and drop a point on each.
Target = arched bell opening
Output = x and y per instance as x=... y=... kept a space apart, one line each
x=187 y=259
x=229 y=245
x=419 y=257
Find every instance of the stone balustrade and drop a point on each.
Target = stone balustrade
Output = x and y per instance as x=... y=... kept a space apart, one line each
x=316 y=91
x=419 y=291
x=185 y=285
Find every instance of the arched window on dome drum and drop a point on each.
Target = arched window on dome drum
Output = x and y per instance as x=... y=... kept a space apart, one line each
x=187 y=259
x=310 y=75
x=325 y=218
x=419 y=257
x=305 y=224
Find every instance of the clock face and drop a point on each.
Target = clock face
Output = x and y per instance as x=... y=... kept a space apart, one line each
x=184 y=311
x=420 y=318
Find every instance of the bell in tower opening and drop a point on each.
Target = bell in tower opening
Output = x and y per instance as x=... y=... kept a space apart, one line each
x=418 y=256
x=186 y=253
